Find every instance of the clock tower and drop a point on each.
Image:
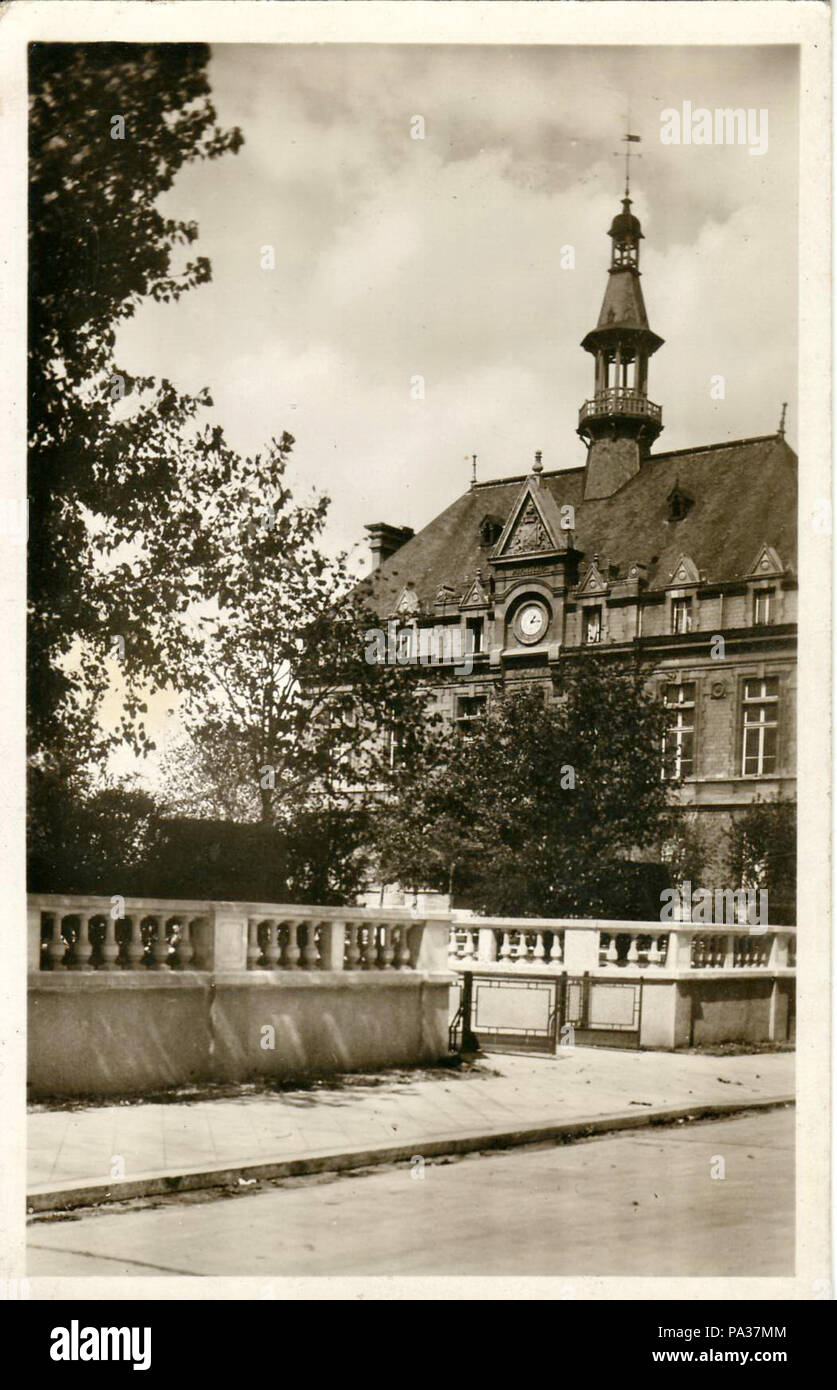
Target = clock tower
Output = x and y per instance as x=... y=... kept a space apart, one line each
x=619 y=423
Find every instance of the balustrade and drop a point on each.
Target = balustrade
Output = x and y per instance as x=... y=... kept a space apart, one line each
x=83 y=935
x=576 y=945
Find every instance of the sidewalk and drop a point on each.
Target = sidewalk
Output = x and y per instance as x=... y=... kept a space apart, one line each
x=122 y=1150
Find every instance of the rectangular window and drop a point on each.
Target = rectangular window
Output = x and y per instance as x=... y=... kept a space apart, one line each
x=592 y=625
x=474 y=634
x=679 y=738
x=681 y=615
x=763 y=606
x=760 y=703
x=469 y=710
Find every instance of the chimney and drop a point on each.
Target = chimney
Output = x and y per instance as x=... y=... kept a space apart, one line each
x=384 y=540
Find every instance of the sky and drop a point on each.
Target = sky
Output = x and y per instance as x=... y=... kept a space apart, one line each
x=440 y=258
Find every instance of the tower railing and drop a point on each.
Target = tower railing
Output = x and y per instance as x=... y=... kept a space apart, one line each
x=619 y=400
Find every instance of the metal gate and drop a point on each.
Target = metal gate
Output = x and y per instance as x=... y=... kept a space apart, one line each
x=602 y=1013
x=513 y=1013
x=537 y=1013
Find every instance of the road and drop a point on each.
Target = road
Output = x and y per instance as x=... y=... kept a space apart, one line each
x=642 y=1203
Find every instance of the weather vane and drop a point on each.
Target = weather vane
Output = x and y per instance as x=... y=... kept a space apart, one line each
x=629 y=140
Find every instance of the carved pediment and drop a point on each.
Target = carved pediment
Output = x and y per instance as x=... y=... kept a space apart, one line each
x=533 y=526
x=475 y=595
x=528 y=534
x=685 y=572
x=408 y=600
x=593 y=581
x=767 y=562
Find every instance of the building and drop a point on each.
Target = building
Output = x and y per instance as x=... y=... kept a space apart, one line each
x=686 y=557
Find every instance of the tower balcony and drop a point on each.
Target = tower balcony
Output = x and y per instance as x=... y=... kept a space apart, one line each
x=617 y=400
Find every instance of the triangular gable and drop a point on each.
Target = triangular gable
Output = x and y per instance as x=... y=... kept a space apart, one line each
x=533 y=525
x=408 y=600
x=475 y=596
x=767 y=562
x=685 y=572
x=593 y=582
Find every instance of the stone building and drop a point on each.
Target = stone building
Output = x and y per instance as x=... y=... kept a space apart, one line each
x=687 y=557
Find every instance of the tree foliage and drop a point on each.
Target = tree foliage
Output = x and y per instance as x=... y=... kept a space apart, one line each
x=541 y=808
x=115 y=484
x=762 y=854
x=284 y=712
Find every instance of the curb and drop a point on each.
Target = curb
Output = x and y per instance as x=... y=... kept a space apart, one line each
x=92 y=1192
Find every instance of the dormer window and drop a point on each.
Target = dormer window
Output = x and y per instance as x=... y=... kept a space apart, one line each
x=679 y=503
x=491 y=529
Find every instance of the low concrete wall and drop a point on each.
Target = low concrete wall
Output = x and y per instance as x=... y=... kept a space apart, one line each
x=738 y=1011
x=108 y=1034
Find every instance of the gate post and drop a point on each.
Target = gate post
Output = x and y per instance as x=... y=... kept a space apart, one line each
x=469 y=1041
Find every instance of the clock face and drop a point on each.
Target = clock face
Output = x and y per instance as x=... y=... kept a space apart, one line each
x=530 y=622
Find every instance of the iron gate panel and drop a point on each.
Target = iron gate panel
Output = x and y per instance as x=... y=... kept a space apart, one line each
x=604 y=1013
x=515 y=1012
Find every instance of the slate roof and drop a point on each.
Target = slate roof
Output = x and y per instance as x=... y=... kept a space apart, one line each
x=743 y=495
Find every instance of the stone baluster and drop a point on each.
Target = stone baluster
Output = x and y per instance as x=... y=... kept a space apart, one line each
x=159 y=945
x=310 y=954
x=292 y=951
x=633 y=953
x=272 y=950
x=370 y=954
x=133 y=949
x=612 y=957
x=57 y=945
x=505 y=949
x=467 y=951
x=352 y=945
x=110 y=945
x=402 y=954
x=539 y=953
x=556 y=951
x=185 y=949
x=387 y=949
x=254 y=950
x=84 y=946
x=522 y=956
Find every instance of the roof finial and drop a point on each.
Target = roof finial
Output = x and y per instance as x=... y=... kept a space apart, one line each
x=537 y=467
x=473 y=469
x=629 y=140
x=781 y=430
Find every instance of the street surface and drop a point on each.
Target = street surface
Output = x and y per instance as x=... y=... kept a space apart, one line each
x=640 y=1203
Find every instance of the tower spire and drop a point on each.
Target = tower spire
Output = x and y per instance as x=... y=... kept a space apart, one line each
x=619 y=423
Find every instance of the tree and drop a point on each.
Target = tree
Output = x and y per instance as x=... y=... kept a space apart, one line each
x=542 y=808
x=762 y=854
x=84 y=841
x=115 y=488
x=284 y=710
